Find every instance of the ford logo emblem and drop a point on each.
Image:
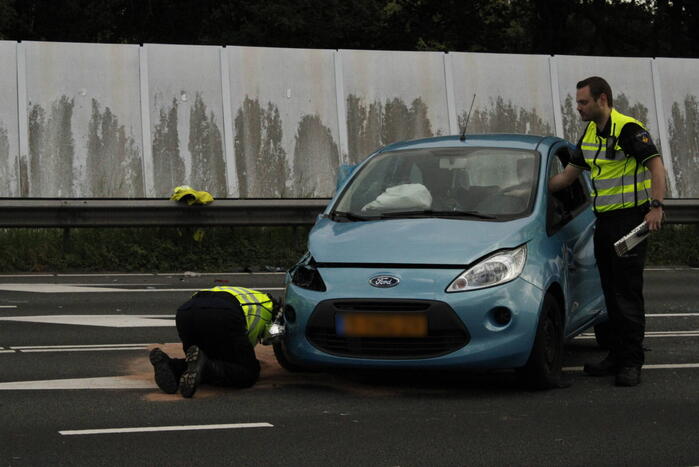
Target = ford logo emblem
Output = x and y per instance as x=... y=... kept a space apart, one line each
x=384 y=282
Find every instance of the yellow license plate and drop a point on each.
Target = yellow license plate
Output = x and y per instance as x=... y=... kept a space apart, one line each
x=381 y=324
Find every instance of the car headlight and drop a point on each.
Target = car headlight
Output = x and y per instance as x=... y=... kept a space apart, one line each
x=498 y=268
x=306 y=275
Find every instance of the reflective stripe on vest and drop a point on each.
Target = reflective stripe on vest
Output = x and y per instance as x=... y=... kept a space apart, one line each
x=257 y=307
x=618 y=180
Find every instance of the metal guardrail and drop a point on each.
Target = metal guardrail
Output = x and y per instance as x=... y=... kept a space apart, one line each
x=87 y=212
x=157 y=212
x=682 y=210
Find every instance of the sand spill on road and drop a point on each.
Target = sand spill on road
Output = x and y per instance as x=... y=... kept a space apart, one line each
x=272 y=377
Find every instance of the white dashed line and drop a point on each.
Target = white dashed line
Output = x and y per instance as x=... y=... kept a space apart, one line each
x=145 y=429
x=669 y=366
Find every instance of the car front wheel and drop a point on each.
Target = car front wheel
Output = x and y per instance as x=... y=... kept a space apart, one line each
x=543 y=369
x=283 y=360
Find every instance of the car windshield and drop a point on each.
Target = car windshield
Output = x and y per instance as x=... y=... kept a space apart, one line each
x=469 y=183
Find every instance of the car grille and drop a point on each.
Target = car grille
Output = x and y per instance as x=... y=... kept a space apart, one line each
x=446 y=333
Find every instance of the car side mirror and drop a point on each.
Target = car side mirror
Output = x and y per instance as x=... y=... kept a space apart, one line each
x=343 y=174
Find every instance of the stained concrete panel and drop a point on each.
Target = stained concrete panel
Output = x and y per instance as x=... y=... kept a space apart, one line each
x=513 y=93
x=186 y=118
x=285 y=123
x=84 y=120
x=392 y=96
x=631 y=81
x=680 y=99
x=9 y=128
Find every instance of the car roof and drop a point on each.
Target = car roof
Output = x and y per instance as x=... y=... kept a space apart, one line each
x=514 y=141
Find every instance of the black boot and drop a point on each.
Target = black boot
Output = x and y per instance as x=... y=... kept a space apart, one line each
x=165 y=376
x=606 y=367
x=191 y=378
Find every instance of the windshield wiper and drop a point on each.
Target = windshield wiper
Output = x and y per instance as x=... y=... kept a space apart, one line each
x=348 y=216
x=431 y=213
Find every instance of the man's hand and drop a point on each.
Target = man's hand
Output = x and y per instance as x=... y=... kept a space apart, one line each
x=565 y=178
x=654 y=218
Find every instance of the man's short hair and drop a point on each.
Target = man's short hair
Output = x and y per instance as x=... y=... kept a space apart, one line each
x=597 y=87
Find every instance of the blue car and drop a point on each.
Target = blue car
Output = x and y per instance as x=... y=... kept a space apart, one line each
x=447 y=253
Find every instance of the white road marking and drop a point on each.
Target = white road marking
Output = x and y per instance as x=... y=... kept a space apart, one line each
x=8 y=306
x=125 y=382
x=661 y=333
x=73 y=349
x=679 y=268
x=143 y=429
x=159 y=274
x=109 y=382
x=669 y=366
x=77 y=348
x=113 y=284
x=135 y=274
x=27 y=275
x=86 y=346
x=653 y=334
x=66 y=288
x=670 y=315
x=112 y=321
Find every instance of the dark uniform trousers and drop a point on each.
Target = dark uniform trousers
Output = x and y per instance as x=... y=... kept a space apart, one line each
x=622 y=283
x=215 y=322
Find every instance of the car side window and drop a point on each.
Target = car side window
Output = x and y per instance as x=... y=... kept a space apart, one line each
x=566 y=204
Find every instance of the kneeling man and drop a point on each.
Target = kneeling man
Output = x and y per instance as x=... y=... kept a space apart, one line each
x=219 y=328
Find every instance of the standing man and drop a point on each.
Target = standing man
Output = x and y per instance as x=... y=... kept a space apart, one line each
x=628 y=187
x=219 y=328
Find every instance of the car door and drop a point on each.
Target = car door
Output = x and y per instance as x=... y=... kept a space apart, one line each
x=570 y=223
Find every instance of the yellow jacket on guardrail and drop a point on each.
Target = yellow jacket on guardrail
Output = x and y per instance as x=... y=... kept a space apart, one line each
x=191 y=196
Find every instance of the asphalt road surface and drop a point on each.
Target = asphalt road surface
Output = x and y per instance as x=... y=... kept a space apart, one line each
x=76 y=388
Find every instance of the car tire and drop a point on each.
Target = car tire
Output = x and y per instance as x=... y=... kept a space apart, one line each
x=543 y=369
x=603 y=335
x=283 y=360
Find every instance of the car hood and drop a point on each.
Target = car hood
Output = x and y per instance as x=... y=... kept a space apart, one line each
x=431 y=241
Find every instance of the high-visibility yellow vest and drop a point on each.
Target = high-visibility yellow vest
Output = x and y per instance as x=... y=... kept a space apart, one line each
x=257 y=306
x=618 y=180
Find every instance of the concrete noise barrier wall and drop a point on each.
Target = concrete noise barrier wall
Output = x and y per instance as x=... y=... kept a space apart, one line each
x=128 y=121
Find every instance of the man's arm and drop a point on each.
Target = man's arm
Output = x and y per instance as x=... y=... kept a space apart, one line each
x=654 y=218
x=565 y=178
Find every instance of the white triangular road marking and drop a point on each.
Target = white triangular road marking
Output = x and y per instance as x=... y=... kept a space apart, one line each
x=112 y=321
x=110 y=382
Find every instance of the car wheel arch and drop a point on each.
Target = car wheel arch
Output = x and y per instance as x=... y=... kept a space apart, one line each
x=556 y=291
